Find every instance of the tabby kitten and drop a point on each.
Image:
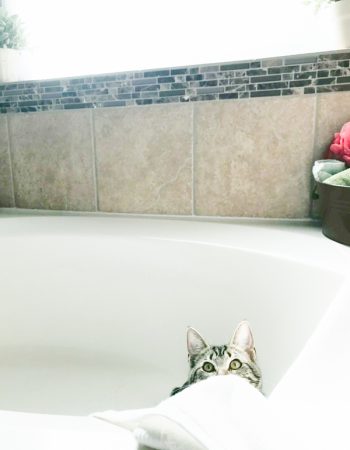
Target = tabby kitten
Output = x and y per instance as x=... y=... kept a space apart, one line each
x=238 y=357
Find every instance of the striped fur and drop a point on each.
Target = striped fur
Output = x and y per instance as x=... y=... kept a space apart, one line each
x=220 y=357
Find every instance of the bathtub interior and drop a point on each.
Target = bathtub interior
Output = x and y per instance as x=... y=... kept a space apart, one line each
x=92 y=321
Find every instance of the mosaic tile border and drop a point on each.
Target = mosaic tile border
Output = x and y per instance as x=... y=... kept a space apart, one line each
x=292 y=75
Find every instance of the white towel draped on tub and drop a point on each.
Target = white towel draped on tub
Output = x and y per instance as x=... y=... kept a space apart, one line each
x=221 y=413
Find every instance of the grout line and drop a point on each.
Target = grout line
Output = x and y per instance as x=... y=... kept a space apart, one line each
x=10 y=160
x=16 y=212
x=314 y=131
x=94 y=159
x=192 y=125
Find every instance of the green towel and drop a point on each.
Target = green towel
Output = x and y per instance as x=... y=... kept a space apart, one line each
x=339 y=179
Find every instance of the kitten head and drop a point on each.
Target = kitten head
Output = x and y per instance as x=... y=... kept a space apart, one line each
x=238 y=357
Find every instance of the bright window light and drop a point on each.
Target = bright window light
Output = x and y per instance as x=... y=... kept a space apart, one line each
x=80 y=37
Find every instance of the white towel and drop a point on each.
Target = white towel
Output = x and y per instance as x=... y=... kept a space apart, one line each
x=221 y=413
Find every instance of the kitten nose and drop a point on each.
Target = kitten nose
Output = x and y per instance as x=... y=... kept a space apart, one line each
x=222 y=372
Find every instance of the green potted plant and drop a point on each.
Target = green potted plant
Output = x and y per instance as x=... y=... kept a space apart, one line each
x=11 y=43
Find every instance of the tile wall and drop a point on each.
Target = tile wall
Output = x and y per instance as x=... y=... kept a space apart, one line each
x=225 y=158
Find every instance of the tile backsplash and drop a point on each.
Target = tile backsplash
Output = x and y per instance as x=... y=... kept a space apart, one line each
x=292 y=75
x=232 y=157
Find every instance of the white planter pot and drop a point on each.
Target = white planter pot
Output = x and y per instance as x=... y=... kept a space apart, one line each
x=10 y=65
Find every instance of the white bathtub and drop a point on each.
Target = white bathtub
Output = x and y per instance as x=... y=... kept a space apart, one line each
x=94 y=309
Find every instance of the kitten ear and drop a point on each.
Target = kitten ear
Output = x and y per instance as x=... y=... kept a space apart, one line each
x=243 y=339
x=195 y=342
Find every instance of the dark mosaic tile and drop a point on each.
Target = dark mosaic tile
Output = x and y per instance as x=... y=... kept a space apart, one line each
x=243 y=94
x=69 y=94
x=272 y=62
x=307 y=59
x=125 y=90
x=194 y=77
x=208 y=83
x=194 y=70
x=173 y=92
x=255 y=64
x=234 y=66
x=166 y=79
x=198 y=98
x=147 y=94
x=54 y=89
x=178 y=85
x=113 y=103
x=180 y=78
x=309 y=90
x=35 y=102
x=124 y=96
x=288 y=91
x=70 y=100
x=211 y=76
x=51 y=95
x=210 y=68
x=343 y=79
x=235 y=88
x=179 y=71
x=28 y=109
x=254 y=72
x=228 y=95
x=341 y=87
x=343 y=63
x=272 y=93
x=305 y=75
x=326 y=65
x=49 y=83
x=150 y=87
x=145 y=101
x=99 y=79
x=241 y=80
x=323 y=89
x=283 y=69
x=332 y=56
x=300 y=83
x=321 y=81
x=167 y=100
x=251 y=87
x=75 y=81
x=265 y=78
x=144 y=81
x=268 y=86
x=78 y=105
x=157 y=73
x=322 y=73
x=339 y=72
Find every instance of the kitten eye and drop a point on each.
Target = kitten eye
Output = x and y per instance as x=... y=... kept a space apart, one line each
x=235 y=364
x=208 y=367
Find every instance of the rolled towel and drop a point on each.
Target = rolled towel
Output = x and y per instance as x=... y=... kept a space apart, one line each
x=339 y=179
x=325 y=168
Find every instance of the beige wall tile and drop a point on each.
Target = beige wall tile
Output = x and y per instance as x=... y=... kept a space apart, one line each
x=333 y=110
x=53 y=160
x=6 y=187
x=144 y=159
x=253 y=157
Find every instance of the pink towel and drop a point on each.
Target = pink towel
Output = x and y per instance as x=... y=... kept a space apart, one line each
x=340 y=147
